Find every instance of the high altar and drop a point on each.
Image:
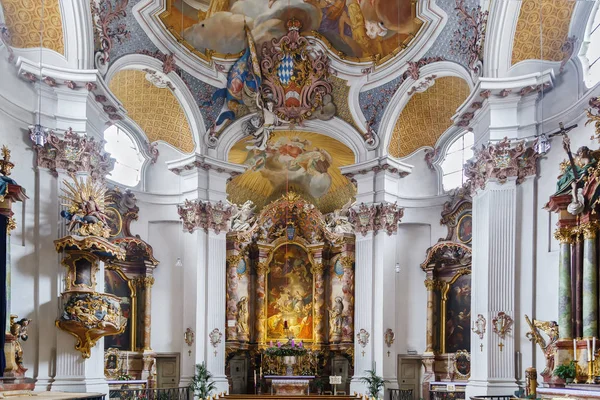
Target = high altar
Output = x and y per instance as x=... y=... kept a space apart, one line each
x=295 y=279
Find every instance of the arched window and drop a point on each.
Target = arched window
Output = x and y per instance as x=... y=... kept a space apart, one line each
x=593 y=50
x=124 y=149
x=453 y=165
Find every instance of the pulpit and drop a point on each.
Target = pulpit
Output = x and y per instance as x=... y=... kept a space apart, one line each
x=289 y=385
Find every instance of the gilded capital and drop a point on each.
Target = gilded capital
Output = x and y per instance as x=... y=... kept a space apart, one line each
x=144 y=281
x=589 y=229
x=431 y=284
x=564 y=235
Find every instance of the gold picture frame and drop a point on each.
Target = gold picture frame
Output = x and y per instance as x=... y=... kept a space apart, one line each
x=82 y=268
x=462 y=365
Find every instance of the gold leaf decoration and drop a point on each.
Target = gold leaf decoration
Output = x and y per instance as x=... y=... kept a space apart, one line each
x=341 y=95
x=156 y=111
x=23 y=18
x=427 y=115
x=555 y=19
x=293 y=167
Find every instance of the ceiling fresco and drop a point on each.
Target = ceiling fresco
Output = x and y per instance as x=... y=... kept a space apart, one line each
x=363 y=30
x=303 y=162
x=427 y=116
x=23 y=19
x=555 y=21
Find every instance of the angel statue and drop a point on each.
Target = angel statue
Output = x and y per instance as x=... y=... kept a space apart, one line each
x=269 y=121
x=242 y=219
x=86 y=215
x=338 y=221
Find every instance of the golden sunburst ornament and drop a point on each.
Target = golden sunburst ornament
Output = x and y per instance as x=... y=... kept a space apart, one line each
x=86 y=203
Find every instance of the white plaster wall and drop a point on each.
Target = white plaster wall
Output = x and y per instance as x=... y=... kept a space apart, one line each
x=411 y=295
x=158 y=179
x=422 y=181
x=167 y=299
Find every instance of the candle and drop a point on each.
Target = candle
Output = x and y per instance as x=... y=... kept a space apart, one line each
x=574 y=349
x=594 y=348
x=588 y=350
x=254 y=377
x=261 y=372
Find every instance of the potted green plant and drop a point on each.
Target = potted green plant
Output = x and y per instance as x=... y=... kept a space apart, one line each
x=374 y=383
x=320 y=385
x=201 y=382
x=566 y=371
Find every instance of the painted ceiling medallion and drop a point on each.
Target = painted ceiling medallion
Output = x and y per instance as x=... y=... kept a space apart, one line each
x=303 y=162
x=366 y=30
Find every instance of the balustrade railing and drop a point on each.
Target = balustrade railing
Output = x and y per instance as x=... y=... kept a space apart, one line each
x=181 y=393
x=401 y=394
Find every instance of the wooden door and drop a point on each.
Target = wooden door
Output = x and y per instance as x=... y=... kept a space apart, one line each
x=239 y=375
x=409 y=374
x=167 y=370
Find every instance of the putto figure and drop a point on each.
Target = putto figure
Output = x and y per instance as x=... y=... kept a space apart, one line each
x=242 y=217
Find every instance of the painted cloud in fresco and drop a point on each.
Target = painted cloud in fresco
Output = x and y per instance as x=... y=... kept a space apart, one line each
x=223 y=32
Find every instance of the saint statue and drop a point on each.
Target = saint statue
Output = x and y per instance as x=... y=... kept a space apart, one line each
x=242 y=316
x=338 y=221
x=577 y=169
x=336 y=318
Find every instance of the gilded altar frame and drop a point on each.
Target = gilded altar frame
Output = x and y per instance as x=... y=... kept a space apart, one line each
x=70 y=262
x=446 y=285
x=273 y=248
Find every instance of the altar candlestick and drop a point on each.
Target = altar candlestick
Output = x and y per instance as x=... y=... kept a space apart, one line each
x=594 y=348
x=574 y=349
x=588 y=350
x=254 y=377
x=261 y=372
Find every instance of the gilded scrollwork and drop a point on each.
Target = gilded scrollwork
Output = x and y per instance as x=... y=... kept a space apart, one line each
x=90 y=316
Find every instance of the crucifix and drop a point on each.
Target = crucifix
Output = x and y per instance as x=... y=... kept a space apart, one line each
x=215 y=353
x=481 y=347
x=189 y=353
x=501 y=345
x=388 y=353
x=363 y=353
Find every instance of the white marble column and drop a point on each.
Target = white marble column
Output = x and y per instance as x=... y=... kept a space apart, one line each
x=215 y=301
x=363 y=307
x=194 y=287
x=384 y=306
x=493 y=286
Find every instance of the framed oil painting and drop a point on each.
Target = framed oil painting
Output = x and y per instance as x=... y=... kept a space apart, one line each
x=464 y=228
x=458 y=315
x=290 y=294
x=116 y=284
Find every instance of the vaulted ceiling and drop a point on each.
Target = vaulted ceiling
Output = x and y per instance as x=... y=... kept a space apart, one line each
x=427 y=116
x=23 y=19
x=554 y=18
x=156 y=110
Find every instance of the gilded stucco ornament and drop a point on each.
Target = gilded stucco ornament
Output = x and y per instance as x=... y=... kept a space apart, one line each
x=501 y=161
x=550 y=329
x=89 y=317
x=502 y=324
x=86 y=213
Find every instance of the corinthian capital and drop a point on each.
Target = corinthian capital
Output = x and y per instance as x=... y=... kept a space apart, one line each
x=500 y=161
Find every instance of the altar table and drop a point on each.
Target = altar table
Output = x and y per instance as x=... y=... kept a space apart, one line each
x=289 y=385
